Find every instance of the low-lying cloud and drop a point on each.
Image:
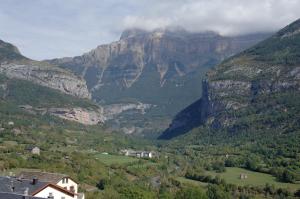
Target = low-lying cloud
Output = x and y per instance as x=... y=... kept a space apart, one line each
x=47 y=29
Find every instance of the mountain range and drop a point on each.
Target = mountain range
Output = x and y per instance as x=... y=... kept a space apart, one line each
x=160 y=70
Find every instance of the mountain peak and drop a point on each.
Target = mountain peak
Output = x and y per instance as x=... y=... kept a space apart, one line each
x=132 y=33
x=9 y=52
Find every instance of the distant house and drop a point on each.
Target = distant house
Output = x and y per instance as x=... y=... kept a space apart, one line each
x=34 y=150
x=11 y=123
x=243 y=176
x=138 y=154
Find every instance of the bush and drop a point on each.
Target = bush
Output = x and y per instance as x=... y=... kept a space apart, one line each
x=217 y=192
x=190 y=193
x=219 y=167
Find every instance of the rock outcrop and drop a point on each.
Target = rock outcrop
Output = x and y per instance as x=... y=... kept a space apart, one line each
x=76 y=114
x=113 y=110
x=15 y=65
x=47 y=76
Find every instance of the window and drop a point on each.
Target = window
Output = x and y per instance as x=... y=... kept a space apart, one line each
x=51 y=196
x=65 y=180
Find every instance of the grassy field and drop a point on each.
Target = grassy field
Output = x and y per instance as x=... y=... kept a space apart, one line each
x=143 y=164
x=186 y=181
x=232 y=176
x=115 y=159
x=15 y=171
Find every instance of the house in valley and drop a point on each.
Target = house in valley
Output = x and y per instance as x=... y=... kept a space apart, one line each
x=138 y=154
x=35 y=150
x=243 y=176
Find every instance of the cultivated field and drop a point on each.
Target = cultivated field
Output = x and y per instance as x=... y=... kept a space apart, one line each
x=232 y=176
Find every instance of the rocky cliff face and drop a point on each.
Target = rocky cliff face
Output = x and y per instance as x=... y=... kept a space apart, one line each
x=47 y=76
x=77 y=114
x=14 y=65
x=142 y=59
x=265 y=71
x=160 y=68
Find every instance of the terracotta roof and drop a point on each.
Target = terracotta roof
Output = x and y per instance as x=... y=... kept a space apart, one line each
x=42 y=176
x=54 y=186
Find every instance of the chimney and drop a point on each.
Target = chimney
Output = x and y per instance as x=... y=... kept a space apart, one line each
x=34 y=181
x=26 y=191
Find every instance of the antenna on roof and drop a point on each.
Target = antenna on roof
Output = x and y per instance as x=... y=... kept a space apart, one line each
x=12 y=187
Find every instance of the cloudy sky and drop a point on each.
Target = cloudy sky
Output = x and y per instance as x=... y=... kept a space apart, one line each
x=44 y=29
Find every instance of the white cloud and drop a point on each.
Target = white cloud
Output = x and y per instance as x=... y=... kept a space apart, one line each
x=226 y=17
x=146 y=23
x=47 y=29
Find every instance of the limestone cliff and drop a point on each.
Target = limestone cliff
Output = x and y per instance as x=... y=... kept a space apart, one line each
x=15 y=65
x=170 y=52
x=144 y=63
x=76 y=114
x=268 y=72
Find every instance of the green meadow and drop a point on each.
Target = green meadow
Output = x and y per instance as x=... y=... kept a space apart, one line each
x=232 y=176
x=115 y=159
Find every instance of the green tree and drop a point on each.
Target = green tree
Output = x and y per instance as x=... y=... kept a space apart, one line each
x=190 y=193
x=217 y=192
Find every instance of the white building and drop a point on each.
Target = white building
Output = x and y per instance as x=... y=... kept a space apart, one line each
x=53 y=191
x=138 y=154
x=35 y=150
x=57 y=185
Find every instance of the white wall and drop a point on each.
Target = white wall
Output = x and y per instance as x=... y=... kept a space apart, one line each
x=68 y=185
x=57 y=194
